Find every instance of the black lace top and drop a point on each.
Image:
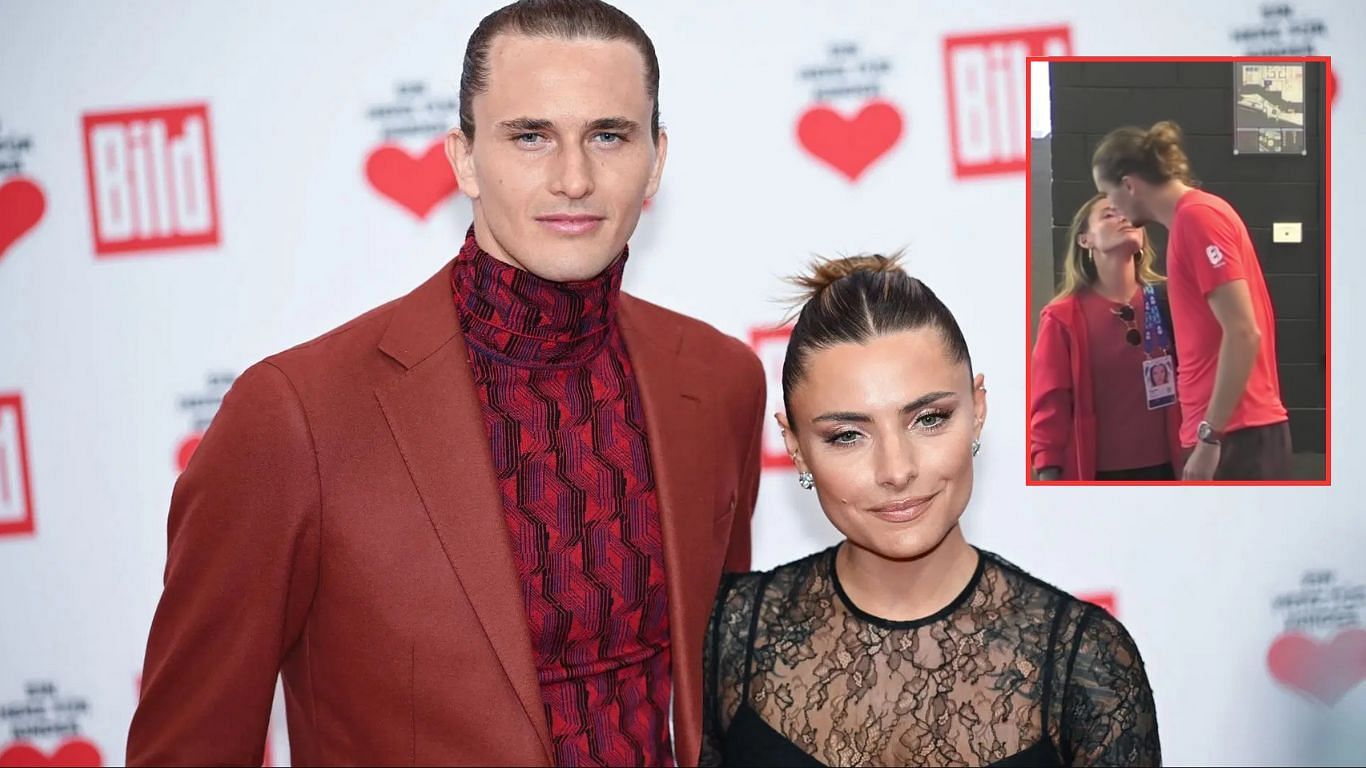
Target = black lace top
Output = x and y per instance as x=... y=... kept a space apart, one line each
x=1012 y=672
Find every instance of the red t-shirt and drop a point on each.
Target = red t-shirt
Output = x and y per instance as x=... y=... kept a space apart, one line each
x=1209 y=246
x=1128 y=435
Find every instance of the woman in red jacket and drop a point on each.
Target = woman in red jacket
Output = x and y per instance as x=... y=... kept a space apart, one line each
x=1097 y=411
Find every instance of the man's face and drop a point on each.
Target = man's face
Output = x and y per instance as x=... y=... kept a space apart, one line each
x=562 y=159
x=1125 y=197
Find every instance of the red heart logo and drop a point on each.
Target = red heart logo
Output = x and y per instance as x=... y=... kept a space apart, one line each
x=73 y=752
x=1326 y=671
x=416 y=183
x=21 y=206
x=186 y=450
x=850 y=146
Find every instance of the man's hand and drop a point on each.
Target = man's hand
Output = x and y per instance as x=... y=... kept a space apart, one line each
x=1202 y=462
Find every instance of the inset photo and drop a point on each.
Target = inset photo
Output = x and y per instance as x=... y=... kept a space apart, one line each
x=1179 y=270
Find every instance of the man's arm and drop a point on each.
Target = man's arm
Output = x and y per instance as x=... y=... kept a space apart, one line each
x=1212 y=241
x=747 y=494
x=1231 y=303
x=241 y=570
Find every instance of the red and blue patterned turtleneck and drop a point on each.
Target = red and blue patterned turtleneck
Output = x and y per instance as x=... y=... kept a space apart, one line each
x=565 y=423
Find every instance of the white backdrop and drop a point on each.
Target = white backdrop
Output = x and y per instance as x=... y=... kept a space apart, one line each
x=1246 y=602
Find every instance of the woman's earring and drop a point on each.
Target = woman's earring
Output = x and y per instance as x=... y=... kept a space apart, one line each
x=805 y=480
x=976 y=446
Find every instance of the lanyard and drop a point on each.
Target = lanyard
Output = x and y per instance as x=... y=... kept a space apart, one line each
x=1154 y=332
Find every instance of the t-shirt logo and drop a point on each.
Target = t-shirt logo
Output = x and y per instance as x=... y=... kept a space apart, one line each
x=1216 y=256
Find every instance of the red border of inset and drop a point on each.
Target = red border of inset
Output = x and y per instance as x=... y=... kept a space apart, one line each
x=960 y=171
x=1327 y=265
x=175 y=242
x=25 y=525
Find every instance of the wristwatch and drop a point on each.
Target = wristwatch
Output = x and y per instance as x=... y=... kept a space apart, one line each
x=1208 y=434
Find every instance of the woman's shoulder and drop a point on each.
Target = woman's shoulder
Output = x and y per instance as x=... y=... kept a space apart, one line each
x=787 y=573
x=1090 y=627
x=741 y=592
x=1033 y=594
x=1062 y=307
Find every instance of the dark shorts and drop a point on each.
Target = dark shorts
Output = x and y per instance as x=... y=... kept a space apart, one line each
x=1155 y=472
x=1255 y=453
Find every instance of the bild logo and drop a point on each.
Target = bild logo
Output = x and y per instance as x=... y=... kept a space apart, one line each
x=985 y=83
x=16 y=497
x=151 y=178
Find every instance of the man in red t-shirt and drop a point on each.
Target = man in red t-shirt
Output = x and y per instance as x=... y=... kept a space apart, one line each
x=1233 y=420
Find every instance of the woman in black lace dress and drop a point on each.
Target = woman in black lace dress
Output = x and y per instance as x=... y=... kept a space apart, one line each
x=904 y=644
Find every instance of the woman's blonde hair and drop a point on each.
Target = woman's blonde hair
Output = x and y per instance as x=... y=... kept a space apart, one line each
x=1079 y=271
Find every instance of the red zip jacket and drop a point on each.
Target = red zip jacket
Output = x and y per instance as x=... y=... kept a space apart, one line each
x=1062 y=414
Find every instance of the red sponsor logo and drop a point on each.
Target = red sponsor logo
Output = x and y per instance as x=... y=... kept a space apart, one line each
x=42 y=715
x=16 y=497
x=1324 y=671
x=770 y=344
x=151 y=178
x=985 y=81
x=186 y=449
x=21 y=206
x=418 y=182
x=1105 y=600
x=73 y=752
x=850 y=144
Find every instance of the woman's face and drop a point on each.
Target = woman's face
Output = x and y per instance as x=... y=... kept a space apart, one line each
x=1110 y=234
x=886 y=429
x=1159 y=375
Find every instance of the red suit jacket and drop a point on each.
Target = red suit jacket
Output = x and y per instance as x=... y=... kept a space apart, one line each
x=340 y=526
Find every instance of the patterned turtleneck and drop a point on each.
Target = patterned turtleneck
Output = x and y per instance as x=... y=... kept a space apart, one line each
x=564 y=420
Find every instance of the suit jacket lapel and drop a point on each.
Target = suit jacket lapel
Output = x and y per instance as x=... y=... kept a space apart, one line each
x=670 y=384
x=436 y=418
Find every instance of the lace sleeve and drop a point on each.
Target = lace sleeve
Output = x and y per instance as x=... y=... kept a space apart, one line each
x=723 y=659
x=1109 y=717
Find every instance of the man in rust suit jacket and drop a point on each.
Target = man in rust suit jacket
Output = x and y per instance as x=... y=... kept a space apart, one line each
x=483 y=523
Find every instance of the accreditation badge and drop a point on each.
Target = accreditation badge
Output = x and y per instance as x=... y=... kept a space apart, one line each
x=1159 y=380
